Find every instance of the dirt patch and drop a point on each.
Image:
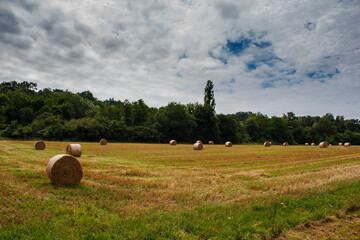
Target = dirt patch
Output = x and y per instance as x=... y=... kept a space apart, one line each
x=341 y=226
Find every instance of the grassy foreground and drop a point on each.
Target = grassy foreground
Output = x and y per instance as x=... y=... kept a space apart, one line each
x=155 y=191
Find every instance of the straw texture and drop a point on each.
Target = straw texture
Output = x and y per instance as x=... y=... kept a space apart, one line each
x=74 y=149
x=324 y=144
x=103 y=141
x=198 y=146
x=64 y=169
x=39 y=145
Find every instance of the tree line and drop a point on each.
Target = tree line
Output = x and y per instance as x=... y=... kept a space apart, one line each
x=54 y=114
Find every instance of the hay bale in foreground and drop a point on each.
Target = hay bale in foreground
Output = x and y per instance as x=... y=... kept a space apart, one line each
x=228 y=144
x=211 y=142
x=173 y=142
x=103 y=141
x=313 y=144
x=285 y=144
x=340 y=144
x=267 y=144
x=74 y=149
x=347 y=144
x=306 y=144
x=64 y=169
x=198 y=146
x=39 y=145
x=324 y=144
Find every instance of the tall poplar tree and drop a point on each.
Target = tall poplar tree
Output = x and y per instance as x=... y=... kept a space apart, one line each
x=209 y=94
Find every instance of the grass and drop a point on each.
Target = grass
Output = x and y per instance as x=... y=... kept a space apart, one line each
x=158 y=191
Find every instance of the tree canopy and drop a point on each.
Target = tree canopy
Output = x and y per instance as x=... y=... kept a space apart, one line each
x=55 y=114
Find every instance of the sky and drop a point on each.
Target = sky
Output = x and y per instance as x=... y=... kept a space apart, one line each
x=273 y=57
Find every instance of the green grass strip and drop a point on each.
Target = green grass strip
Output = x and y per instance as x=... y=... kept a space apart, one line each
x=262 y=220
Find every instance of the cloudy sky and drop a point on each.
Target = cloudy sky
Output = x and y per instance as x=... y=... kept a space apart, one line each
x=262 y=55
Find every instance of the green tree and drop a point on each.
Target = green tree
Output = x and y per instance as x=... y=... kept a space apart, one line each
x=175 y=122
x=279 y=131
x=209 y=94
x=207 y=127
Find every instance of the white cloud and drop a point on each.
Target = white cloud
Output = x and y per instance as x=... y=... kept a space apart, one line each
x=302 y=56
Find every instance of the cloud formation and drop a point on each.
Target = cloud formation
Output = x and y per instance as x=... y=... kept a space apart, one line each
x=263 y=56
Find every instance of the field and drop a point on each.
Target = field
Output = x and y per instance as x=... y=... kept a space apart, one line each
x=158 y=191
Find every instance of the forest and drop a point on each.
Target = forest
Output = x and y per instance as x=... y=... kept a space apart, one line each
x=54 y=114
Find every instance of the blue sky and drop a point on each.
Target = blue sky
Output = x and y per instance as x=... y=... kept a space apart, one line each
x=263 y=56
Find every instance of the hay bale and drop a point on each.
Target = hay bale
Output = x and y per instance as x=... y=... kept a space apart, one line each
x=330 y=145
x=285 y=144
x=39 y=145
x=173 y=142
x=199 y=141
x=74 y=149
x=306 y=144
x=340 y=144
x=228 y=144
x=64 y=169
x=313 y=144
x=103 y=141
x=198 y=146
x=324 y=144
x=347 y=144
x=270 y=143
x=267 y=144
x=211 y=142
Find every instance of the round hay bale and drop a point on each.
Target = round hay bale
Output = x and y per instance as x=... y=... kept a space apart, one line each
x=39 y=145
x=198 y=146
x=285 y=144
x=270 y=143
x=306 y=144
x=74 y=149
x=340 y=144
x=313 y=144
x=324 y=144
x=228 y=144
x=103 y=141
x=64 y=169
x=267 y=144
x=347 y=144
x=173 y=142
x=330 y=145
x=211 y=142
x=199 y=141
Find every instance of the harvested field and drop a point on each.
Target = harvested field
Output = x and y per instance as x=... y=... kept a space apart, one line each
x=138 y=191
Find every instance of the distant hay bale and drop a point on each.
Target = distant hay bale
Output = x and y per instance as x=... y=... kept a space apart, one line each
x=39 y=145
x=306 y=144
x=267 y=144
x=199 y=141
x=340 y=144
x=74 y=149
x=173 y=142
x=286 y=144
x=198 y=146
x=211 y=142
x=324 y=144
x=313 y=144
x=347 y=144
x=330 y=145
x=64 y=169
x=228 y=144
x=103 y=141
x=270 y=143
